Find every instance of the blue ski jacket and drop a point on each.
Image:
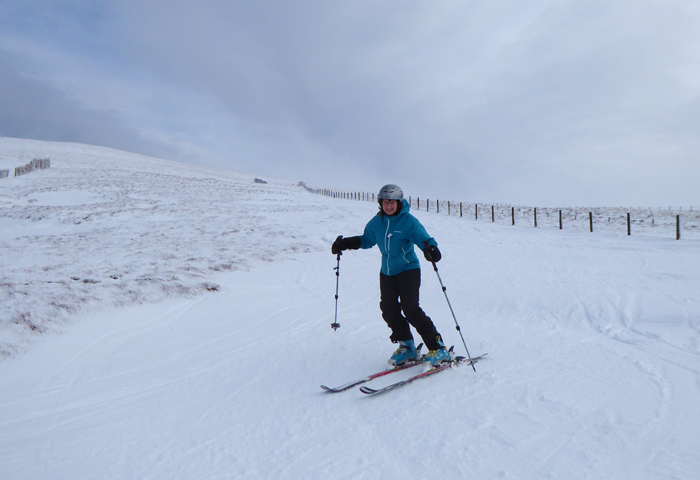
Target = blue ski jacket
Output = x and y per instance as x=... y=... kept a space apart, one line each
x=395 y=237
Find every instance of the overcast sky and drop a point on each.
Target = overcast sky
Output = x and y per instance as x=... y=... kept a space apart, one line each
x=529 y=102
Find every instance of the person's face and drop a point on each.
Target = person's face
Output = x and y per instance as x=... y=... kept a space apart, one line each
x=390 y=206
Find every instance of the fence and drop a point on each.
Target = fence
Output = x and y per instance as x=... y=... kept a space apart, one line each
x=36 y=164
x=659 y=223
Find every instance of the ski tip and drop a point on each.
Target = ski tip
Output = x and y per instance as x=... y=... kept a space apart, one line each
x=473 y=360
x=368 y=391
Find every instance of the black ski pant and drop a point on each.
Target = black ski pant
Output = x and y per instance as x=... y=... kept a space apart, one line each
x=400 y=292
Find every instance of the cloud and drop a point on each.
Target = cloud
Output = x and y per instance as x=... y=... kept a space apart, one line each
x=541 y=102
x=33 y=109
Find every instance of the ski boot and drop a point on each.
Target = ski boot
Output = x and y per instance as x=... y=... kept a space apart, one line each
x=406 y=352
x=436 y=357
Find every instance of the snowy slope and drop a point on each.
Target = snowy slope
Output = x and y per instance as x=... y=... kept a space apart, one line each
x=106 y=228
x=203 y=358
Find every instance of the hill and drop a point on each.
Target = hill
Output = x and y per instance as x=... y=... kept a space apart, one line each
x=162 y=320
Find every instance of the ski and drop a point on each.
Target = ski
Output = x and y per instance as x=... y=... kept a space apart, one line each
x=349 y=385
x=439 y=368
x=474 y=359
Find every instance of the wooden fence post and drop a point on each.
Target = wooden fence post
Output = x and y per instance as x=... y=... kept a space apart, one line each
x=561 y=225
x=493 y=214
x=590 y=220
x=460 y=209
x=629 y=225
x=512 y=213
x=678 y=227
x=535 y=217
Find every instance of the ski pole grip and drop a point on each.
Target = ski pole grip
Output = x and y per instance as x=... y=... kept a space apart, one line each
x=425 y=245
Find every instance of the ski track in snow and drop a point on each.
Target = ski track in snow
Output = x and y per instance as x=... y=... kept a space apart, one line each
x=160 y=320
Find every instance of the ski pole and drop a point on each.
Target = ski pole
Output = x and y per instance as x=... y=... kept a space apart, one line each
x=444 y=290
x=335 y=325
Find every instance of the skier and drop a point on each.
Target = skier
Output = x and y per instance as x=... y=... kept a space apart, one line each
x=394 y=230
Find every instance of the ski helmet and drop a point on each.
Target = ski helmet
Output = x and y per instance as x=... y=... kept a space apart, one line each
x=390 y=192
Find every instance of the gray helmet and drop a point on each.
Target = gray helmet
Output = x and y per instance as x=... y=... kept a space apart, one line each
x=390 y=192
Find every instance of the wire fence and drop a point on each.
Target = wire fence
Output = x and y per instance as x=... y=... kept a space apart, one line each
x=660 y=223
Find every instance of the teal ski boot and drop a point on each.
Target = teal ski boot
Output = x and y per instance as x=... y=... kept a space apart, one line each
x=406 y=352
x=436 y=357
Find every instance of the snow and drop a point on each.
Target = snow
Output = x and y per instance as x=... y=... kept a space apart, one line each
x=161 y=320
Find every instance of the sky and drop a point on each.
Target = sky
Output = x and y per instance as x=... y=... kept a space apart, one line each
x=538 y=102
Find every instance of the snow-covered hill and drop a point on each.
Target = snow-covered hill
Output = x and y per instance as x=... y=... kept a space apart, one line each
x=106 y=228
x=186 y=330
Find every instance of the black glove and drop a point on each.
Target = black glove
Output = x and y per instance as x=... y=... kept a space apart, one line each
x=432 y=254
x=340 y=244
x=335 y=248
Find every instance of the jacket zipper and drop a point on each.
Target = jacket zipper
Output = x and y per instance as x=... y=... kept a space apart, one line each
x=387 y=244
